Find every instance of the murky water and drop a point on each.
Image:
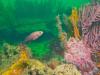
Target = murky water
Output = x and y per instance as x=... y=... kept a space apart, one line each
x=20 y=18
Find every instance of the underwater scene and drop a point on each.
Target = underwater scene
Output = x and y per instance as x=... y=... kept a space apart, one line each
x=49 y=37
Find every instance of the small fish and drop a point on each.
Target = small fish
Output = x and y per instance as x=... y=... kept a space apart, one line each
x=33 y=36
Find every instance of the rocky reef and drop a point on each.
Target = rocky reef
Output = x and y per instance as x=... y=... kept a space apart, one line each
x=67 y=54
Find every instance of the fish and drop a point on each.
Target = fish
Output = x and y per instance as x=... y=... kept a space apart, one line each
x=33 y=36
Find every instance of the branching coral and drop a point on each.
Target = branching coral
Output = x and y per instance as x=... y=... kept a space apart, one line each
x=90 y=22
x=76 y=51
x=74 y=20
x=89 y=14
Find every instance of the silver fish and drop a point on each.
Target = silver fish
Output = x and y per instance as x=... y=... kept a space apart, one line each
x=33 y=36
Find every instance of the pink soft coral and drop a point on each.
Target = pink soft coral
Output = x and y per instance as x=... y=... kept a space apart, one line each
x=89 y=20
x=78 y=54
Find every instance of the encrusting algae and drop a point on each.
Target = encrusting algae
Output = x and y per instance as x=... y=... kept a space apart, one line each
x=66 y=69
x=76 y=53
x=23 y=63
x=18 y=67
x=24 y=59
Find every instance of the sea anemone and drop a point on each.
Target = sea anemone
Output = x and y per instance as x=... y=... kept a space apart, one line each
x=80 y=55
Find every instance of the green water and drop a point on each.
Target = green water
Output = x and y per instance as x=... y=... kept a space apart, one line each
x=18 y=18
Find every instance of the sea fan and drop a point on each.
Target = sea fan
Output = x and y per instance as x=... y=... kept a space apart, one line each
x=80 y=55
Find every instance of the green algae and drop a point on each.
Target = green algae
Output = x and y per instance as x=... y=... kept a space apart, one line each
x=18 y=18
